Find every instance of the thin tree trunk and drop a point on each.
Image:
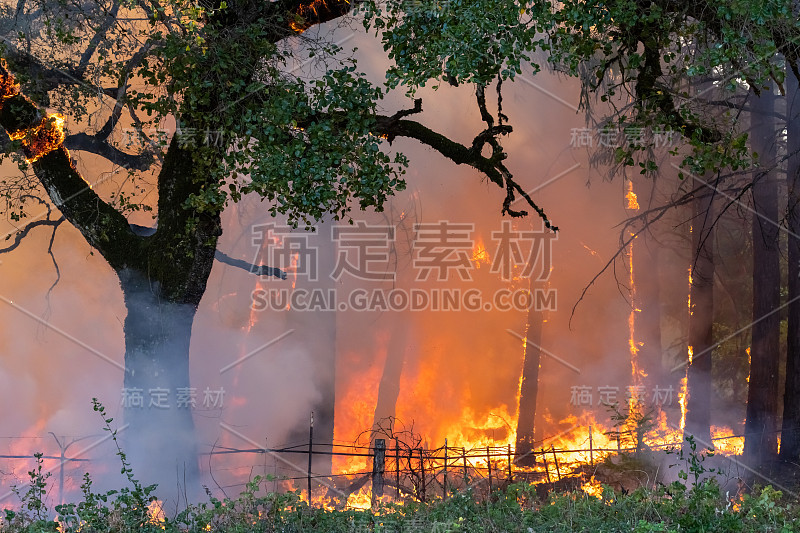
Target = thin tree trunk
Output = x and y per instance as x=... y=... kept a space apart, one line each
x=761 y=440
x=701 y=321
x=790 y=434
x=648 y=318
x=389 y=388
x=529 y=386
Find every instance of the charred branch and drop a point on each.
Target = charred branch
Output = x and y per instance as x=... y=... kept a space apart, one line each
x=259 y=270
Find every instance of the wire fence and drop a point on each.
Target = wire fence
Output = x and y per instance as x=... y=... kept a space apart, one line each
x=391 y=467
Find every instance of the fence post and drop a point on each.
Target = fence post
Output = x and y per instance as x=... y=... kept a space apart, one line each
x=555 y=460
x=397 y=466
x=378 y=465
x=466 y=473
x=591 y=451
x=422 y=472
x=444 y=485
x=546 y=468
x=489 y=463
x=510 y=472
x=310 y=452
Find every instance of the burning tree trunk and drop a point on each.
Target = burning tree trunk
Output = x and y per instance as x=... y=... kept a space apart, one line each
x=790 y=434
x=701 y=313
x=529 y=385
x=646 y=301
x=761 y=439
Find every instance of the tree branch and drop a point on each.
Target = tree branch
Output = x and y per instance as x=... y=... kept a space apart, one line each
x=102 y=226
x=21 y=234
x=95 y=144
x=492 y=167
x=259 y=270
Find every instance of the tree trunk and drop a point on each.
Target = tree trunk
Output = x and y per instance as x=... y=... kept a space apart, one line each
x=529 y=386
x=761 y=439
x=389 y=388
x=159 y=439
x=701 y=321
x=790 y=434
x=322 y=347
x=648 y=318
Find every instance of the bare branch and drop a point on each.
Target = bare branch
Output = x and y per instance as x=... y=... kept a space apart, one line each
x=21 y=234
x=259 y=270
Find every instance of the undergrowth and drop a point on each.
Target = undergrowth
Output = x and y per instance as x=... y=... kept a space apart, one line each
x=692 y=504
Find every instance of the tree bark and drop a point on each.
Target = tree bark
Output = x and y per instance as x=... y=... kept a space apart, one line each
x=389 y=387
x=701 y=321
x=529 y=385
x=648 y=302
x=160 y=440
x=761 y=439
x=790 y=434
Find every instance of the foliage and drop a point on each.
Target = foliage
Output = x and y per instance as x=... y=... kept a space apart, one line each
x=631 y=426
x=693 y=462
x=515 y=508
x=649 y=63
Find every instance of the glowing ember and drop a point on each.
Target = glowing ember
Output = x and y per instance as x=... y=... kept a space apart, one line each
x=747 y=350
x=479 y=254
x=300 y=24
x=8 y=85
x=40 y=140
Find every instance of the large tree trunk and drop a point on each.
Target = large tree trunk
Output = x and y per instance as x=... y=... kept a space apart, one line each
x=159 y=440
x=790 y=434
x=163 y=281
x=529 y=385
x=322 y=347
x=761 y=439
x=701 y=321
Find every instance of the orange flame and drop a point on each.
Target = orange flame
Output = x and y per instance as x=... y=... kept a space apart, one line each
x=155 y=513
x=593 y=488
x=479 y=254
x=42 y=139
x=8 y=85
x=630 y=196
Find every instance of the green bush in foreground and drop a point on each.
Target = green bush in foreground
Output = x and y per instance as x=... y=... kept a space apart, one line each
x=514 y=509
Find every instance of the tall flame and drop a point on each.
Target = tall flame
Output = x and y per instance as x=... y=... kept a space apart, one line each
x=630 y=196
